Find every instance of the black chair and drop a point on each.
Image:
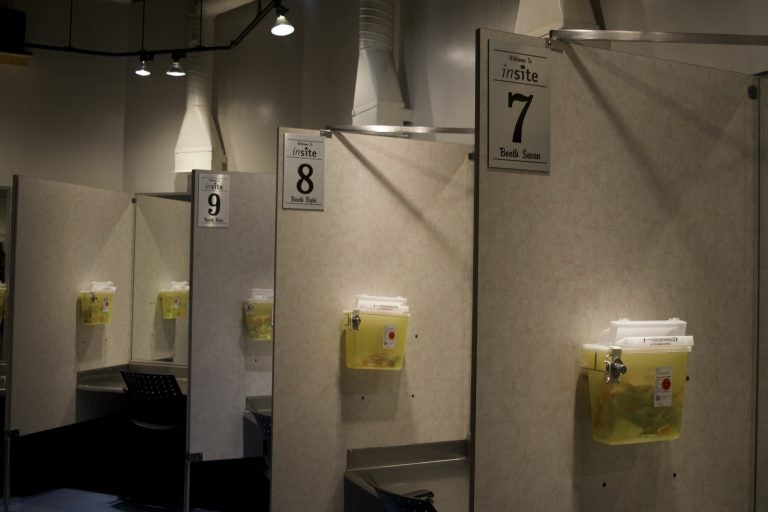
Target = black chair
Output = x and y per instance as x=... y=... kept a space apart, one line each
x=155 y=401
x=414 y=501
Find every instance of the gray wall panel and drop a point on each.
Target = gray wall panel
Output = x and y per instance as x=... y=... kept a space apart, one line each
x=761 y=477
x=65 y=237
x=226 y=264
x=648 y=212
x=397 y=221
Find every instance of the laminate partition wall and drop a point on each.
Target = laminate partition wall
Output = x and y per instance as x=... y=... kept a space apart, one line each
x=397 y=220
x=761 y=476
x=64 y=236
x=225 y=366
x=648 y=212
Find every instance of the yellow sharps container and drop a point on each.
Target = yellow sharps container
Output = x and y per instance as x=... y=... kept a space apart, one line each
x=174 y=302
x=375 y=333
x=258 y=314
x=636 y=375
x=3 y=293
x=96 y=303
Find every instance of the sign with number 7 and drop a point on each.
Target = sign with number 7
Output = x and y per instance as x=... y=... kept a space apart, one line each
x=518 y=107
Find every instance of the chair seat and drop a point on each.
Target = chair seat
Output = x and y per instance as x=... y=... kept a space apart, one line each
x=413 y=501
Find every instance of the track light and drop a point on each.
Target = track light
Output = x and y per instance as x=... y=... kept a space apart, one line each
x=143 y=69
x=282 y=26
x=176 y=69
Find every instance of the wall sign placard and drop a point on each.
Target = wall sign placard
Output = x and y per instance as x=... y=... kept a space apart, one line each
x=304 y=172
x=213 y=204
x=518 y=107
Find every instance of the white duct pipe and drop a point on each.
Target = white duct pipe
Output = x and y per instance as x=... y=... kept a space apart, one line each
x=199 y=145
x=378 y=99
x=537 y=17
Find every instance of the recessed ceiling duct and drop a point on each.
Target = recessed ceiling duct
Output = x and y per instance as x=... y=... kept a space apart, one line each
x=378 y=99
x=12 y=33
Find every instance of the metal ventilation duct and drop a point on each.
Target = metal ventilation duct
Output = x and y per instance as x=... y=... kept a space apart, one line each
x=537 y=17
x=199 y=145
x=378 y=99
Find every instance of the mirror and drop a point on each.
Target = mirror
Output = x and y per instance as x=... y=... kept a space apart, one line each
x=162 y=248
x=5 y=205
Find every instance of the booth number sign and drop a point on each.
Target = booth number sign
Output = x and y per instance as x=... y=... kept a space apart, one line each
x=213 y=201
x=303 y=172
x=518 y=107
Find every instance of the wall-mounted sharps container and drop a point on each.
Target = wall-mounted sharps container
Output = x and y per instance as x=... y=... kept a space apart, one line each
x=174 y=301
x=96 y=302
x=375 y=332
x=3 y=293
x=257 y=314
x=637 y=372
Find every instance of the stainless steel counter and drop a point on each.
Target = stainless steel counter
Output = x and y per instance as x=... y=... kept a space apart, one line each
x=442 y=468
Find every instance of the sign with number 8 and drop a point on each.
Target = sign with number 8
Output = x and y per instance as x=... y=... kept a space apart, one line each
x=303 y=172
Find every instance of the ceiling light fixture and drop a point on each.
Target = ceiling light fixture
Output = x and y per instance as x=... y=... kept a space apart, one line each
x=282 y=26
x=176 y=69
x=143 y=69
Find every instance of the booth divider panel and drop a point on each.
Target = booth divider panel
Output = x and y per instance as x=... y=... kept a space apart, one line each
x=761 y=477
x=397 y=221
x=65 y=237
x=648 y=212
x=225 y=367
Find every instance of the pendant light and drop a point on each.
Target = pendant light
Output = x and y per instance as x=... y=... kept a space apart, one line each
x=143 y=69
x=282 y=26
x=176 y=69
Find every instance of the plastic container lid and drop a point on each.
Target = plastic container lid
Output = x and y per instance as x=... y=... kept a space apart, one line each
x=644 y=336
x=262 y=294
x=625 y=328
x=647 y=344
x=101 y=286
x=374 y=303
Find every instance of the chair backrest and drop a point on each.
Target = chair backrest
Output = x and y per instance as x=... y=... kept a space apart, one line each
x=151 y=387
x=155 y=401
x=417 y=501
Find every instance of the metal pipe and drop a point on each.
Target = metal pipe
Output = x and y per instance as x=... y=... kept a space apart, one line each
x=135 y=53
x=631 y=36
x=397 y=130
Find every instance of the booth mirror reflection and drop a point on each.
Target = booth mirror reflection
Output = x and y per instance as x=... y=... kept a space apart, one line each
x=161 y=266
x=5 y=206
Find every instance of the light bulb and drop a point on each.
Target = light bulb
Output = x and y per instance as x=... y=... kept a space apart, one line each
x=143 y=70
x=176 y=70
x=282 y=26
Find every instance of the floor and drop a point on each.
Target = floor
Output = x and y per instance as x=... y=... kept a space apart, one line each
x=71 y=500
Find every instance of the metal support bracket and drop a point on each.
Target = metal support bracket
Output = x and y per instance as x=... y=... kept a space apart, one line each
x=355 y=320
x=194 y=457
x=614 y=366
